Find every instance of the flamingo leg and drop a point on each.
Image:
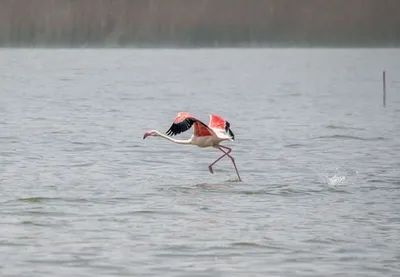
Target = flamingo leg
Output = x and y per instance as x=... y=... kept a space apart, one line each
x=225 y=154
x=233 y=160
x=210 y=166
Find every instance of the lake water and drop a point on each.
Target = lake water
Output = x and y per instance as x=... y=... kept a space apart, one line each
x=82 y=194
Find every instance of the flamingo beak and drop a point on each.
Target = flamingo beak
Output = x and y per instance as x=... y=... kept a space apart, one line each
x=146 y=135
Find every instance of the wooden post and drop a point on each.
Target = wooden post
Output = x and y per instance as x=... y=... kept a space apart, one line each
x=384 y=88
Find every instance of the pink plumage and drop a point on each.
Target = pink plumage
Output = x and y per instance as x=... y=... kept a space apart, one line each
x=217 y=122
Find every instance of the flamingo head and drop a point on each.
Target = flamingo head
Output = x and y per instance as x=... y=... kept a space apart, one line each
x=150 y=133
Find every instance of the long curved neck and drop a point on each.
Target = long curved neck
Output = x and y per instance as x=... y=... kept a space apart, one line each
x=179 y=141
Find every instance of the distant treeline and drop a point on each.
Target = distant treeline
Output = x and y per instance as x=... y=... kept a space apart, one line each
x=116 y=23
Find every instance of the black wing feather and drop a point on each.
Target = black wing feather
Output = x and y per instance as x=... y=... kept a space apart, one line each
x=228 y=130
x=184 y=125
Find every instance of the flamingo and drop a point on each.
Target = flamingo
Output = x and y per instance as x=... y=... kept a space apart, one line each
x=217 y=131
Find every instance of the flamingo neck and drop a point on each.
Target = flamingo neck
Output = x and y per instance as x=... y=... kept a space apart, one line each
x=179 y=141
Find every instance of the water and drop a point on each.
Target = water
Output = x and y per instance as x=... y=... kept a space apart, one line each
x=83 y=194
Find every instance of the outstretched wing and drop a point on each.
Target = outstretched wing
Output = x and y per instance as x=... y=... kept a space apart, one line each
x=184 y=122
x=229 y=131
x=218 y=123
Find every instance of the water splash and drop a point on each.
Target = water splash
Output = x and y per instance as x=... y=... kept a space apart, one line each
x=336 y=180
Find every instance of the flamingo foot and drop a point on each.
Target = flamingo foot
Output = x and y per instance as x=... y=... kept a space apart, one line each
x=211 y=170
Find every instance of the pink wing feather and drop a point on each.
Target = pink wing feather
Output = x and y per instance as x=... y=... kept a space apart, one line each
x=184 y=122
x=217 y=122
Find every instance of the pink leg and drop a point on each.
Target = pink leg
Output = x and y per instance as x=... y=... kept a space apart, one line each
x=225 y=154
x=232 y=159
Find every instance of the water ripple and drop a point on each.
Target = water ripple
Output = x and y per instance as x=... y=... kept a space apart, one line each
x=345 y=137
x=82 y=194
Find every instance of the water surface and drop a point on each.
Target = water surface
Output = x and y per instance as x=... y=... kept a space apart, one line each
x=82 y=194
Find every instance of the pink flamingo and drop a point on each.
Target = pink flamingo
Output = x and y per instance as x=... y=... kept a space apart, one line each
x=218 y=130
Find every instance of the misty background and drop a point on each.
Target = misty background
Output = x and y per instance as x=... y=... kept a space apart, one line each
x=124 y=23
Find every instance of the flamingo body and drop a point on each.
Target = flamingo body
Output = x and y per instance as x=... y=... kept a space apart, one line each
x=203 y=135
x=204 y=141
x=211 y=135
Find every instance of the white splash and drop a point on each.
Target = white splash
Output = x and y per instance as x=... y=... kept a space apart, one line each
x=336 y=180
